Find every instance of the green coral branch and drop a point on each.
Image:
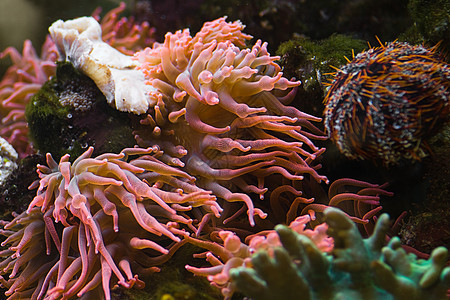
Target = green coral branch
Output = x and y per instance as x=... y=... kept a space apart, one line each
x=357 y=268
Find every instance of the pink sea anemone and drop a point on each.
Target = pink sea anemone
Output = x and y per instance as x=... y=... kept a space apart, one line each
x=41 y=265
x=109 y=182
x=20 y=82
x=112 y=211
x=124 y=34
x=221 y=113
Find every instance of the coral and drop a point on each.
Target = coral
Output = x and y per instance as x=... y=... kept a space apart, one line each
x=386 y=101
x=20 y=82
x=356 y=268
x=232 y=253
x=220 y=112
x=111 y=211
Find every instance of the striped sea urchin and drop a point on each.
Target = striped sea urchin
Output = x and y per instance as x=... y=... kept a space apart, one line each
x=383 y=103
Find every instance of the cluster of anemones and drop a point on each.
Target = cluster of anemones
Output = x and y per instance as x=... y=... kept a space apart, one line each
x=115 y=205
x=218 y=127
x=220 y=112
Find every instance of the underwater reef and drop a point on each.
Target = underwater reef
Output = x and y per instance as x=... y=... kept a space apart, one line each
x=193 y=164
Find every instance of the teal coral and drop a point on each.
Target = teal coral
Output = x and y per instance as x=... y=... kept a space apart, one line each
x=356 y=269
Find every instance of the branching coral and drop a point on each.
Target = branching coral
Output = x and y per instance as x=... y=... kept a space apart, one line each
x=357 y=269
x=232 y=253
x=221 y=112
x=386 y=101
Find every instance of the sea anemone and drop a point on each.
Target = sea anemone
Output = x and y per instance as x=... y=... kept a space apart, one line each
x=124 y=34
x=20 y=82
x=81 y=188
x=220 y=112
x=114 y=212
x=386 y=101
x=66 y=263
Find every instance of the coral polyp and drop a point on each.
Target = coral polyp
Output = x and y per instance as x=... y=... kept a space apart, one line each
x=386 y=101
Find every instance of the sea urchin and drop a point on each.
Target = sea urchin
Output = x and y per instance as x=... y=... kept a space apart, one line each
x=383 y=103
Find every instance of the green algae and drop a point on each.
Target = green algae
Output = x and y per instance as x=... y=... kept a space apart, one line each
x=431 y=21
x=69 y=114
x=314 y=62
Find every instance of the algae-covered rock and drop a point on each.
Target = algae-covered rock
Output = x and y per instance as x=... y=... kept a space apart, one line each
x=14 y=192
x=69 y=114
x=313 y=62
x=431 y=21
